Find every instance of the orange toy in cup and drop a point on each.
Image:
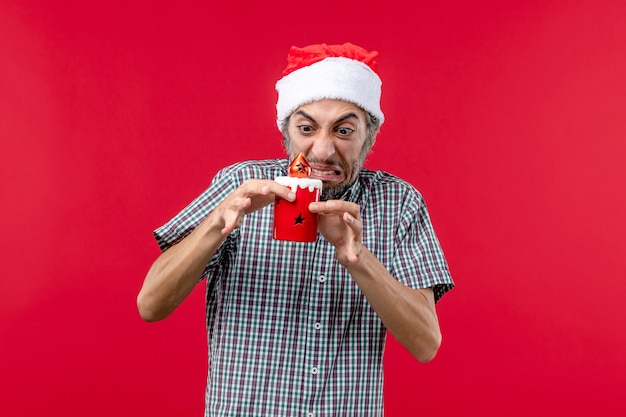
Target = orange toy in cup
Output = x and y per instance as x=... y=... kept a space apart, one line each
x=293 y=220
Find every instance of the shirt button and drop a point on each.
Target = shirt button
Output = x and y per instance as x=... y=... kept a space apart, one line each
x=317 y=326
x=321 y=278
x=314 y=370
x=310 y=415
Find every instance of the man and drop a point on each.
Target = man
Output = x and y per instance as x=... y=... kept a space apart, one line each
x=298 y=329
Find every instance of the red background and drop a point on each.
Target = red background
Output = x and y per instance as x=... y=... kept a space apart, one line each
x=508 y=116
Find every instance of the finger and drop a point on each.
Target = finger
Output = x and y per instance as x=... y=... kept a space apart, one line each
x=352 y=221
x=233 y=213
x=354 y=224
x=266 y=187
x=254 y=187
x=246 y=202
x=335 y=207
x=352 y=257
x=281 y=191
x=231 y=222
x=227 y=229
x=325 y=207
x=260 y=193
x=352 y=251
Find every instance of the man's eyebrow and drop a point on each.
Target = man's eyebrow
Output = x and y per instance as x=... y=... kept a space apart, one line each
x=306 y=116
x=350 y=115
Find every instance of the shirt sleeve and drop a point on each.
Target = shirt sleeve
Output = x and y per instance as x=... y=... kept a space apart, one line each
x=191 y=216
x=419 y=261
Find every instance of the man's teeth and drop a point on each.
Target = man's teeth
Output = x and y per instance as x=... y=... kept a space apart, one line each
x=331 y=172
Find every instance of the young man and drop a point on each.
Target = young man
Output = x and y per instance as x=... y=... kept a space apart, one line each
x=297 y=329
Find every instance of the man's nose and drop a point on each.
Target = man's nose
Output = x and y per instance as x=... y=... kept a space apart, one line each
x=323 y=147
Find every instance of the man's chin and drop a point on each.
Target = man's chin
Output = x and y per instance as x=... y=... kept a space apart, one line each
x=333 y=192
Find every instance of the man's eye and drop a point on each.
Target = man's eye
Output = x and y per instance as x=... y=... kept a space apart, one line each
x=305 y=129
x=345 y=131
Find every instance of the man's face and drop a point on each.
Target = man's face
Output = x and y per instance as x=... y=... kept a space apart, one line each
x=331 y=134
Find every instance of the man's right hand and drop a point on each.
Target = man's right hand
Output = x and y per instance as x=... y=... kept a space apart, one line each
x=249 y=197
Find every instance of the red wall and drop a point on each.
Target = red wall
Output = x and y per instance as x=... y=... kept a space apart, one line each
x=509 y=118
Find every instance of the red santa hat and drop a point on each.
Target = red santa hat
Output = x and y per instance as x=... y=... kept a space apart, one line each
x=342 y=72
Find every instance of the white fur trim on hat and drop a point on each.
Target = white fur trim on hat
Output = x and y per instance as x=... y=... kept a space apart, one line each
x=336 y=78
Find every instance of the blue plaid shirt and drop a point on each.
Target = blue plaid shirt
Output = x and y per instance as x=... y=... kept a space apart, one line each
x=289 y=332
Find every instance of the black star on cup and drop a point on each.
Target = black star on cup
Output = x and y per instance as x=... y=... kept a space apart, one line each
x=299 y=219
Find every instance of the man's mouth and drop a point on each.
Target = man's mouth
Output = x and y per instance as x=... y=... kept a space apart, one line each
x=326 y=172
x=331 y=174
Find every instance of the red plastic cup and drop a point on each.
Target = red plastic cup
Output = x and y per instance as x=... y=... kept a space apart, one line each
x=293 y=220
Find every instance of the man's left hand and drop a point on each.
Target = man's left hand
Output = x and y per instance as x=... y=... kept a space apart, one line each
x=340 y=223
